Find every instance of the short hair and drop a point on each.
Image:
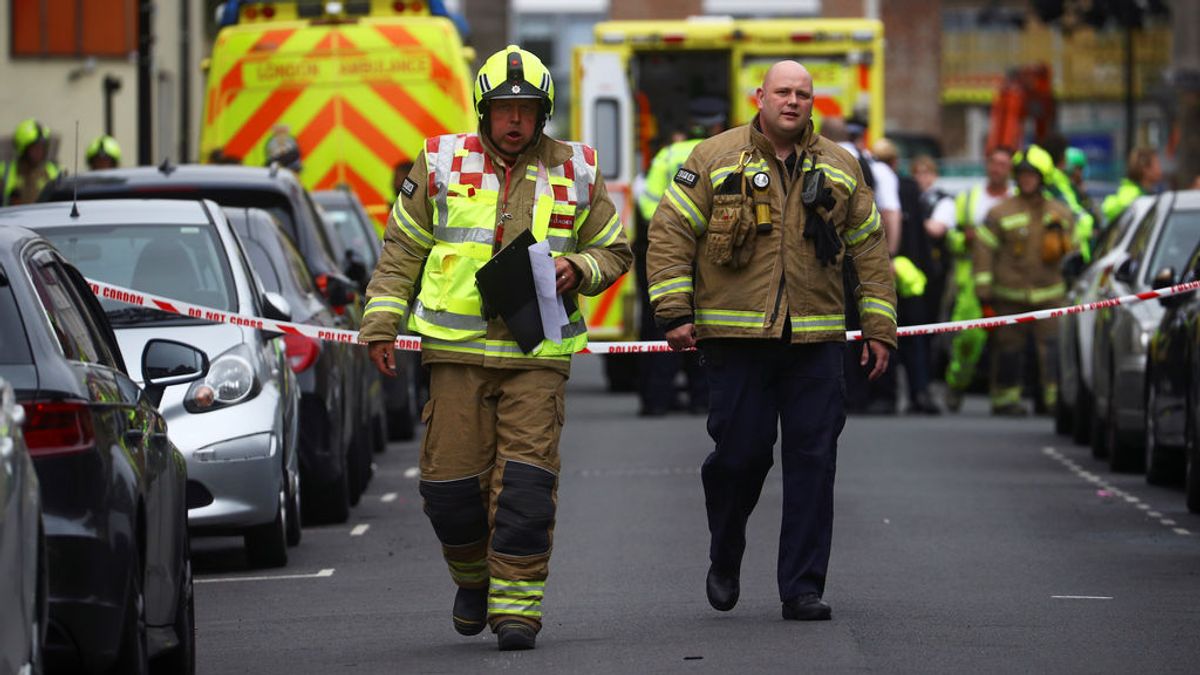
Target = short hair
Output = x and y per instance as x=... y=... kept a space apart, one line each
x=885 y=150
x=924 y=162
x=1002 y=148
x=1140 y=159
x=1055 y=144
x=834 y=128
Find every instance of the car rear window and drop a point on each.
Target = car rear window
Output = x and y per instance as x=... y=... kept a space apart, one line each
x=1178 y=240
x=14 y=346
x=345 y=221
x=182 y=262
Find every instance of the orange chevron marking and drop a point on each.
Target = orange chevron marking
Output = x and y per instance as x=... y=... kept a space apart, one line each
x=382 y=146
x=365 y=191
x=408 y=107
x=335 y=41
x=440 y=73
x=262 y=119
x=607 y=298
x=271 y=40
x=317 y=128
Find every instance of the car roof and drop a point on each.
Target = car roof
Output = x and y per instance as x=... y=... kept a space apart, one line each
x=1187 y=199
x=109 y=212
x=210 y=175
x=332 y=197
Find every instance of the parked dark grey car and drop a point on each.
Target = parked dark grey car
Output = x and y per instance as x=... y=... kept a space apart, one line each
x=113 y=485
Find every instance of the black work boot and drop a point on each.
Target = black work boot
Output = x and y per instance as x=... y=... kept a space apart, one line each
x=470 y=610
x=807 y=607
x=723 y=589
x=513 y=635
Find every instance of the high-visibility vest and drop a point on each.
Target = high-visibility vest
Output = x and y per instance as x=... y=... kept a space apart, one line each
x=465 y=205
x=1115 y=204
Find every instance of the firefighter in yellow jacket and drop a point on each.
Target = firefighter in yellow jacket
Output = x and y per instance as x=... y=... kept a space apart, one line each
x=1017 y=258
x=489 y=459
x=747 y=249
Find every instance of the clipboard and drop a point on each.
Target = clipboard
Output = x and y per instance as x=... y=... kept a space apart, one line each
x=505 y=284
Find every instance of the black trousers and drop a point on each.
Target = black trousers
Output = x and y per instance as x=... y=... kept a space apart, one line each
x=757 y=387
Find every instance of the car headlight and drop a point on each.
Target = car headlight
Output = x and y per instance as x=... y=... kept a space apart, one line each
x=231 y=379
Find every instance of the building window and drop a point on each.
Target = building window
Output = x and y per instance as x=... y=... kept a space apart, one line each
x=74 y=28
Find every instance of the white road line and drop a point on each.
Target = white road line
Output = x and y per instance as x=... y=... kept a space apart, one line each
x=389 y=497
x=1154 y=514
x=1143 y=506
x=220 y=580
x=1180 y=530
x=1167 y=521
x=1081 y=597
x=359 y=530
x=411 y=472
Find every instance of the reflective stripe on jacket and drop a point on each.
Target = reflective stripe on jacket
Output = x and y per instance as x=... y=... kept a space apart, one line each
x=1009 y=253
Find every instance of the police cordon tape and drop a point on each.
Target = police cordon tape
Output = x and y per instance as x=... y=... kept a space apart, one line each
x=413 y=343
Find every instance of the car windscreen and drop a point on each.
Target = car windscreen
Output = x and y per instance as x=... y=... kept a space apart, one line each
x=345 y=221
x=1177 y=241
x=181 y=262
x=14 y=346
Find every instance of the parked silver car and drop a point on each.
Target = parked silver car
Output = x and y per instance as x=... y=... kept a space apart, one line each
x=1074 y=407
x=1164 y=238
x=22 y=543
x=237 y=426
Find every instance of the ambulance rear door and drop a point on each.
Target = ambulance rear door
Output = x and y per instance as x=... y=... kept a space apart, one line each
x=602 y=116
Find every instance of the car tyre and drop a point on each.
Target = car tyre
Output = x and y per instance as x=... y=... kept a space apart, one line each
x=332 y=504
x=133 y=656
x=41 y=608
x=1123 y=456
x=1192 y=460
x=1062 y=418
x=1158 y=469
x=1081 y=418
x=1097 y=435
x=182 y=659
x=295 y=509
x=266 y=545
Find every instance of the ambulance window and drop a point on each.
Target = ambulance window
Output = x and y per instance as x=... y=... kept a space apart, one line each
x=608 y=133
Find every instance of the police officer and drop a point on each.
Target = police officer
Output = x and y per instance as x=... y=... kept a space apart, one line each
x=746 y=255
x=970 y=208
x=103 y=153
x=1018 y=254
x=24 y=178
x=489 y=459
x=657 y=371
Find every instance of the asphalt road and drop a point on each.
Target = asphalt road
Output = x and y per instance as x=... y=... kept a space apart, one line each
x=960 y=543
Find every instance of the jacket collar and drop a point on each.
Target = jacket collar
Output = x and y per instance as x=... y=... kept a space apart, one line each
x=764 y=145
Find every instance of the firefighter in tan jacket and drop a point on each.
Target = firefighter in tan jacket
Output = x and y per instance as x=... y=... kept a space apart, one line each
x=1018 y=256
x=746 y=258
x=489 y=459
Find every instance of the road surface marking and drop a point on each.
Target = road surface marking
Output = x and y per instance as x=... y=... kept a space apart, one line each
x=411 y=472
x=1180 y=530
x=389 y=497
x=1081 y=597
x=319 y=575
x=359 y=530
x=1168 y=522
x=1144 y=506
x=1154 y=514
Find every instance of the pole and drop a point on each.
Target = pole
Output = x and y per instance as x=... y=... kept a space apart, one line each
x=1130 y=114
x=112 y=84
x=185 y=80
x=144 y=67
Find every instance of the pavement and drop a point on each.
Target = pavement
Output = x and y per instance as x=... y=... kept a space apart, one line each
x=960 y=543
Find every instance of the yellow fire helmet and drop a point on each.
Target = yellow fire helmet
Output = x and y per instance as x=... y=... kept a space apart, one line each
x=104 y=145
x=514 y=73
x=27 y=133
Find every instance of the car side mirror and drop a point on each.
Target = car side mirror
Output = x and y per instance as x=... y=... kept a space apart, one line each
x=276 y=307
x=1073 y=266
x=356 y=269
x=1164 y=279
x=336 y=288
x=1126 y=271
x=166 y=363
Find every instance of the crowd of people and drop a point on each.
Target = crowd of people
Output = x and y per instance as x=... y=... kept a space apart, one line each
x=946 y=251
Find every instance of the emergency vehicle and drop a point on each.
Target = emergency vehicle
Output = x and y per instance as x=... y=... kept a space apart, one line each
x=631 y=90
x=359 y=85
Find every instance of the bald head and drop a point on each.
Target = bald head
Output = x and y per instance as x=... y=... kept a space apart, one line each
x=785 y=102
x=786 y=70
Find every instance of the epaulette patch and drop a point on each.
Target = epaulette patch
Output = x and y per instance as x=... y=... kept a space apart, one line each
x=685 y=177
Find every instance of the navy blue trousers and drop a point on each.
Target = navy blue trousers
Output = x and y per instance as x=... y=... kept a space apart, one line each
x=756 y=388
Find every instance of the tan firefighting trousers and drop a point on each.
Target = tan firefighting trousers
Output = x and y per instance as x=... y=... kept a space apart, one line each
x=1008 y=356
x=489 y=479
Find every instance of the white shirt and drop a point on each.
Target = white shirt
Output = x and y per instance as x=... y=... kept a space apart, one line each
x=887 y=186
x=983 y=202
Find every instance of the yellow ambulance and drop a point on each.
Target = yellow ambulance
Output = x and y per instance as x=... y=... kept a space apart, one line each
x=631 y=90
x=358 y=84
